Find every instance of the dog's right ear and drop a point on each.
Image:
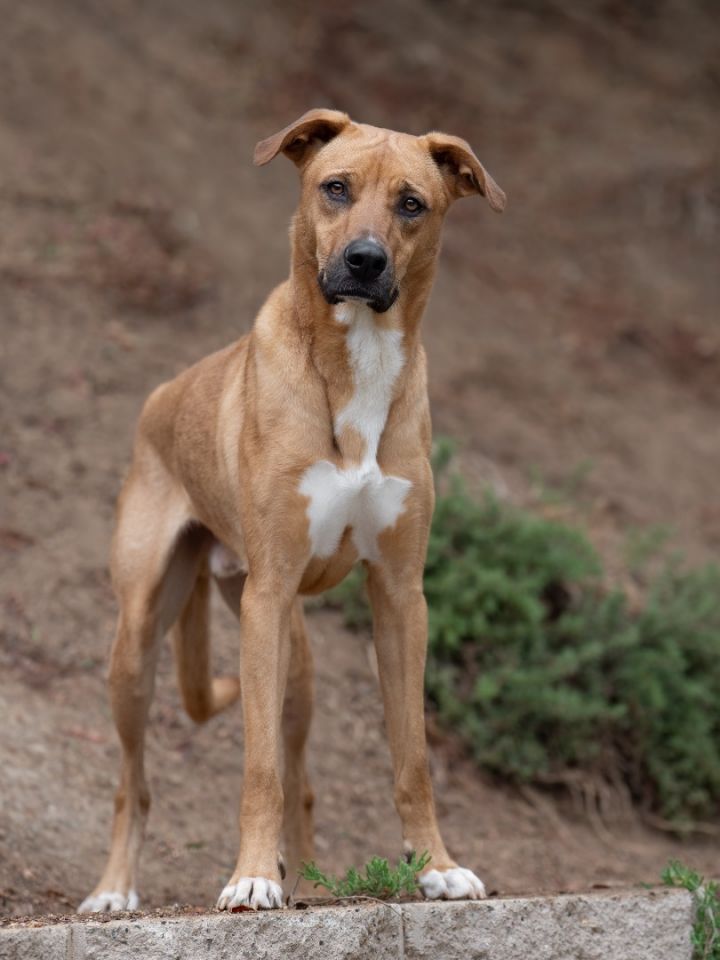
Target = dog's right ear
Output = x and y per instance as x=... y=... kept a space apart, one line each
x=303 y=138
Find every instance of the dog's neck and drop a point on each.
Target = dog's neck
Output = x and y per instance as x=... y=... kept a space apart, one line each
x=362 y=356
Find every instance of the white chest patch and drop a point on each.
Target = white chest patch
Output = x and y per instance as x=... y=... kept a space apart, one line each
x=360 y=497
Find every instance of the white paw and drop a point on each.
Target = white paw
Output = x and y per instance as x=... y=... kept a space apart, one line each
x=454 y=884
x=109 y=901
x=251 y=893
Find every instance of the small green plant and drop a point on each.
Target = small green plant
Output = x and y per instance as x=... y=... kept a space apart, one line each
x=706 y=897
x=379 y=879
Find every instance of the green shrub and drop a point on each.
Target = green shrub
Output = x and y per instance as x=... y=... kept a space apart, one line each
x=545 y=671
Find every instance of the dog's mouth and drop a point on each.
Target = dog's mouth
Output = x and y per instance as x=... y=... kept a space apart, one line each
x=379 y=295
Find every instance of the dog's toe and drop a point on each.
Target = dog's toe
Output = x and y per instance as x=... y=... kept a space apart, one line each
x=109 y=901
x=457 y=883
x=251 y=893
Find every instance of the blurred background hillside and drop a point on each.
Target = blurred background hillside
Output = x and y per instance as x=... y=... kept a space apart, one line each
x=574 y=346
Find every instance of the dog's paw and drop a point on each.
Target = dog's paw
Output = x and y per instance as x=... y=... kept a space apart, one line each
x=457 y=883
x=109 y=901
x=251 y=893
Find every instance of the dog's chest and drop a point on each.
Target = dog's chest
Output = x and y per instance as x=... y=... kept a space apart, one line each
x=360 y=497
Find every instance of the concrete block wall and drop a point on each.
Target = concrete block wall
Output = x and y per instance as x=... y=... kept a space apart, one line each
x=647 y=925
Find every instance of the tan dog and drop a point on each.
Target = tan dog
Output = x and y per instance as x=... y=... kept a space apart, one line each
x=274 y=466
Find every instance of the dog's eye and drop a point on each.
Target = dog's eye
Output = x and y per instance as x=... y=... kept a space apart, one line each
x=336 y=189
x=411 y=206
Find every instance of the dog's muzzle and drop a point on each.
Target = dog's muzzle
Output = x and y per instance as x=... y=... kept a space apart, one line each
x=362 y=272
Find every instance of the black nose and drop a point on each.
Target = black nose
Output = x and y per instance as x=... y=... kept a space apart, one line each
x=365 y=259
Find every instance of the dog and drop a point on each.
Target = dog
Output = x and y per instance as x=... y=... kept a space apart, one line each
x=272 y=467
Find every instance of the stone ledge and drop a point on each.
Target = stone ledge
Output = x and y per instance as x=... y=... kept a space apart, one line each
x=652 y=925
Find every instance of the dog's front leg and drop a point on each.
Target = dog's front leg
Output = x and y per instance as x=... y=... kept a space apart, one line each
x=400 y=635
x=265 y=624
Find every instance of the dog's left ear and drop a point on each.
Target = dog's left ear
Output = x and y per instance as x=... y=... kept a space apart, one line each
x=462 y=171
x=301 y=139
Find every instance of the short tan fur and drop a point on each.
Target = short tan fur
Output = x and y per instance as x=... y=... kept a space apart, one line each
x=273 y=466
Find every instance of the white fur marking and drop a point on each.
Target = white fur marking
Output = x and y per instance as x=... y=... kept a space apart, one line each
x=376 y=359
x=458 y=883
x=108 y=901
x=223 y=561
x=360 y=497
x=255 y=893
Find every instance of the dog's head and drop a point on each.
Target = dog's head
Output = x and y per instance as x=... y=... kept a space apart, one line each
x=373 y=201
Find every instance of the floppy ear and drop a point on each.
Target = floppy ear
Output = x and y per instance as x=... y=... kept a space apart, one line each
x=462 y=171
x=300 y=140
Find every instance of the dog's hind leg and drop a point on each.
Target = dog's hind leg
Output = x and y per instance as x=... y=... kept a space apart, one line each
x=298 y=829
x=155 y=564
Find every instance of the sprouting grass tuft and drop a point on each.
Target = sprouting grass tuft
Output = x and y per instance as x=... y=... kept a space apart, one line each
x=376 y=879
x=706 y=896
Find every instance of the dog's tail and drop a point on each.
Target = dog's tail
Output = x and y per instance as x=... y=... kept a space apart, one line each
x=203 y=695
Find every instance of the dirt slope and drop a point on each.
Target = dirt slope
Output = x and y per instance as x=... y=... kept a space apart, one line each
x=580 y=327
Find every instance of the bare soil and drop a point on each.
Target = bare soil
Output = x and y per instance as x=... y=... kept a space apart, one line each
x=578 y=335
